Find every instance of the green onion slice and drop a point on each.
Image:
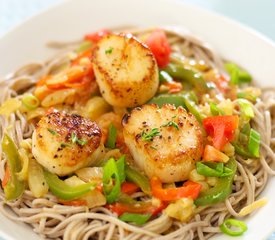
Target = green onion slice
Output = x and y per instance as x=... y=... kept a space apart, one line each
x=254 y=143
x=246 y=108
x=30 y=102
x=113 y=175
x=239 y=227
x=215 y=111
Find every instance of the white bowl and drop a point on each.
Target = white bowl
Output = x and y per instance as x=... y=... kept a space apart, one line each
x=71 y=19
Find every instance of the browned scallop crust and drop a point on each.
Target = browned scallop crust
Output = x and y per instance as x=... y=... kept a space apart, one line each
x=125 y=70
x=63 y=143
x=171 y=154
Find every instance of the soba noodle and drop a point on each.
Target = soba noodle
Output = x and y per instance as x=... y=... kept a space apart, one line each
x=51 y=220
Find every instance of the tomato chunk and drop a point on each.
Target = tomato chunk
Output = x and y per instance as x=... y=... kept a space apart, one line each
x=158 y=44
x=221 y=129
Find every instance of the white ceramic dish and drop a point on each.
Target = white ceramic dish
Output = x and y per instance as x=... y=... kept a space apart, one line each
x=71 y=19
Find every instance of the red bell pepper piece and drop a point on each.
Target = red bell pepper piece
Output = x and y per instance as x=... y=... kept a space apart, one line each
x=158 y=44
x=189 y=189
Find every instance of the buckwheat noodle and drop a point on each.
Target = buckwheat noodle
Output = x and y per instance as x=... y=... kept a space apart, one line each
x=52 y=220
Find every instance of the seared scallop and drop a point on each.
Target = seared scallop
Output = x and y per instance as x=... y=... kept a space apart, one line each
x=164 y=142
x=63 y=143
x=126 y=70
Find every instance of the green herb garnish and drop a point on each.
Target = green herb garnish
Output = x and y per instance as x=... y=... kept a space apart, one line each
x=152 y=147
x=109 y=50
x=63 y=145
x=75 y=139
x=52 y=131
x=150 y=135
x=171 y=124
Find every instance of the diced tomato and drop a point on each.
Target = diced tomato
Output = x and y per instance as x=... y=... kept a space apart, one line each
x=144 y=207
x=189 y=189
x=221 y=129
x=129 y=188
x=96 y=36
x=158 y=44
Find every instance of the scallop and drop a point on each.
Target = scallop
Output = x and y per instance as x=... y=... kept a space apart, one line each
x=125 y=70
x=165 y=142
x=63 y=143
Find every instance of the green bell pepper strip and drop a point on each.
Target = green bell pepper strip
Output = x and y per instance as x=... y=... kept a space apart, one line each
x=111 y=181
x=187 y=74
x=237 y=75
x=222 y=189
x=191 y=106
x=218 y=171
x=120 y=164
x=164 y=77
x=64 y=191
x=239 y=227
x=187 y=100
x=14 y=187
x=111 y=139
x=136 y=177
x=175 y=99
x=254 y=143
x=137 y=218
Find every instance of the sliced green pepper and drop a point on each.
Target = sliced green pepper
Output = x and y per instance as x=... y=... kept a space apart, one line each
x=218 y=170
x=191 y=106
x=62 y=190
x=111 y=181
x=14 y=187
x=237 y=75
x=222 y=189
x=120 y=163
x=185 y=73
x=136 y=218
x=136 y=177
x=188 y=100
x=175 y=99
x=164 y=77
x=111 y=140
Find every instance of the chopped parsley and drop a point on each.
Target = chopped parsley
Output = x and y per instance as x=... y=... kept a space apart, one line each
x=52 y=131
x=171 y=124
x=152 y=147
x=63 y=145
x=75 y=139
x=109 y=50
x=150 y=135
